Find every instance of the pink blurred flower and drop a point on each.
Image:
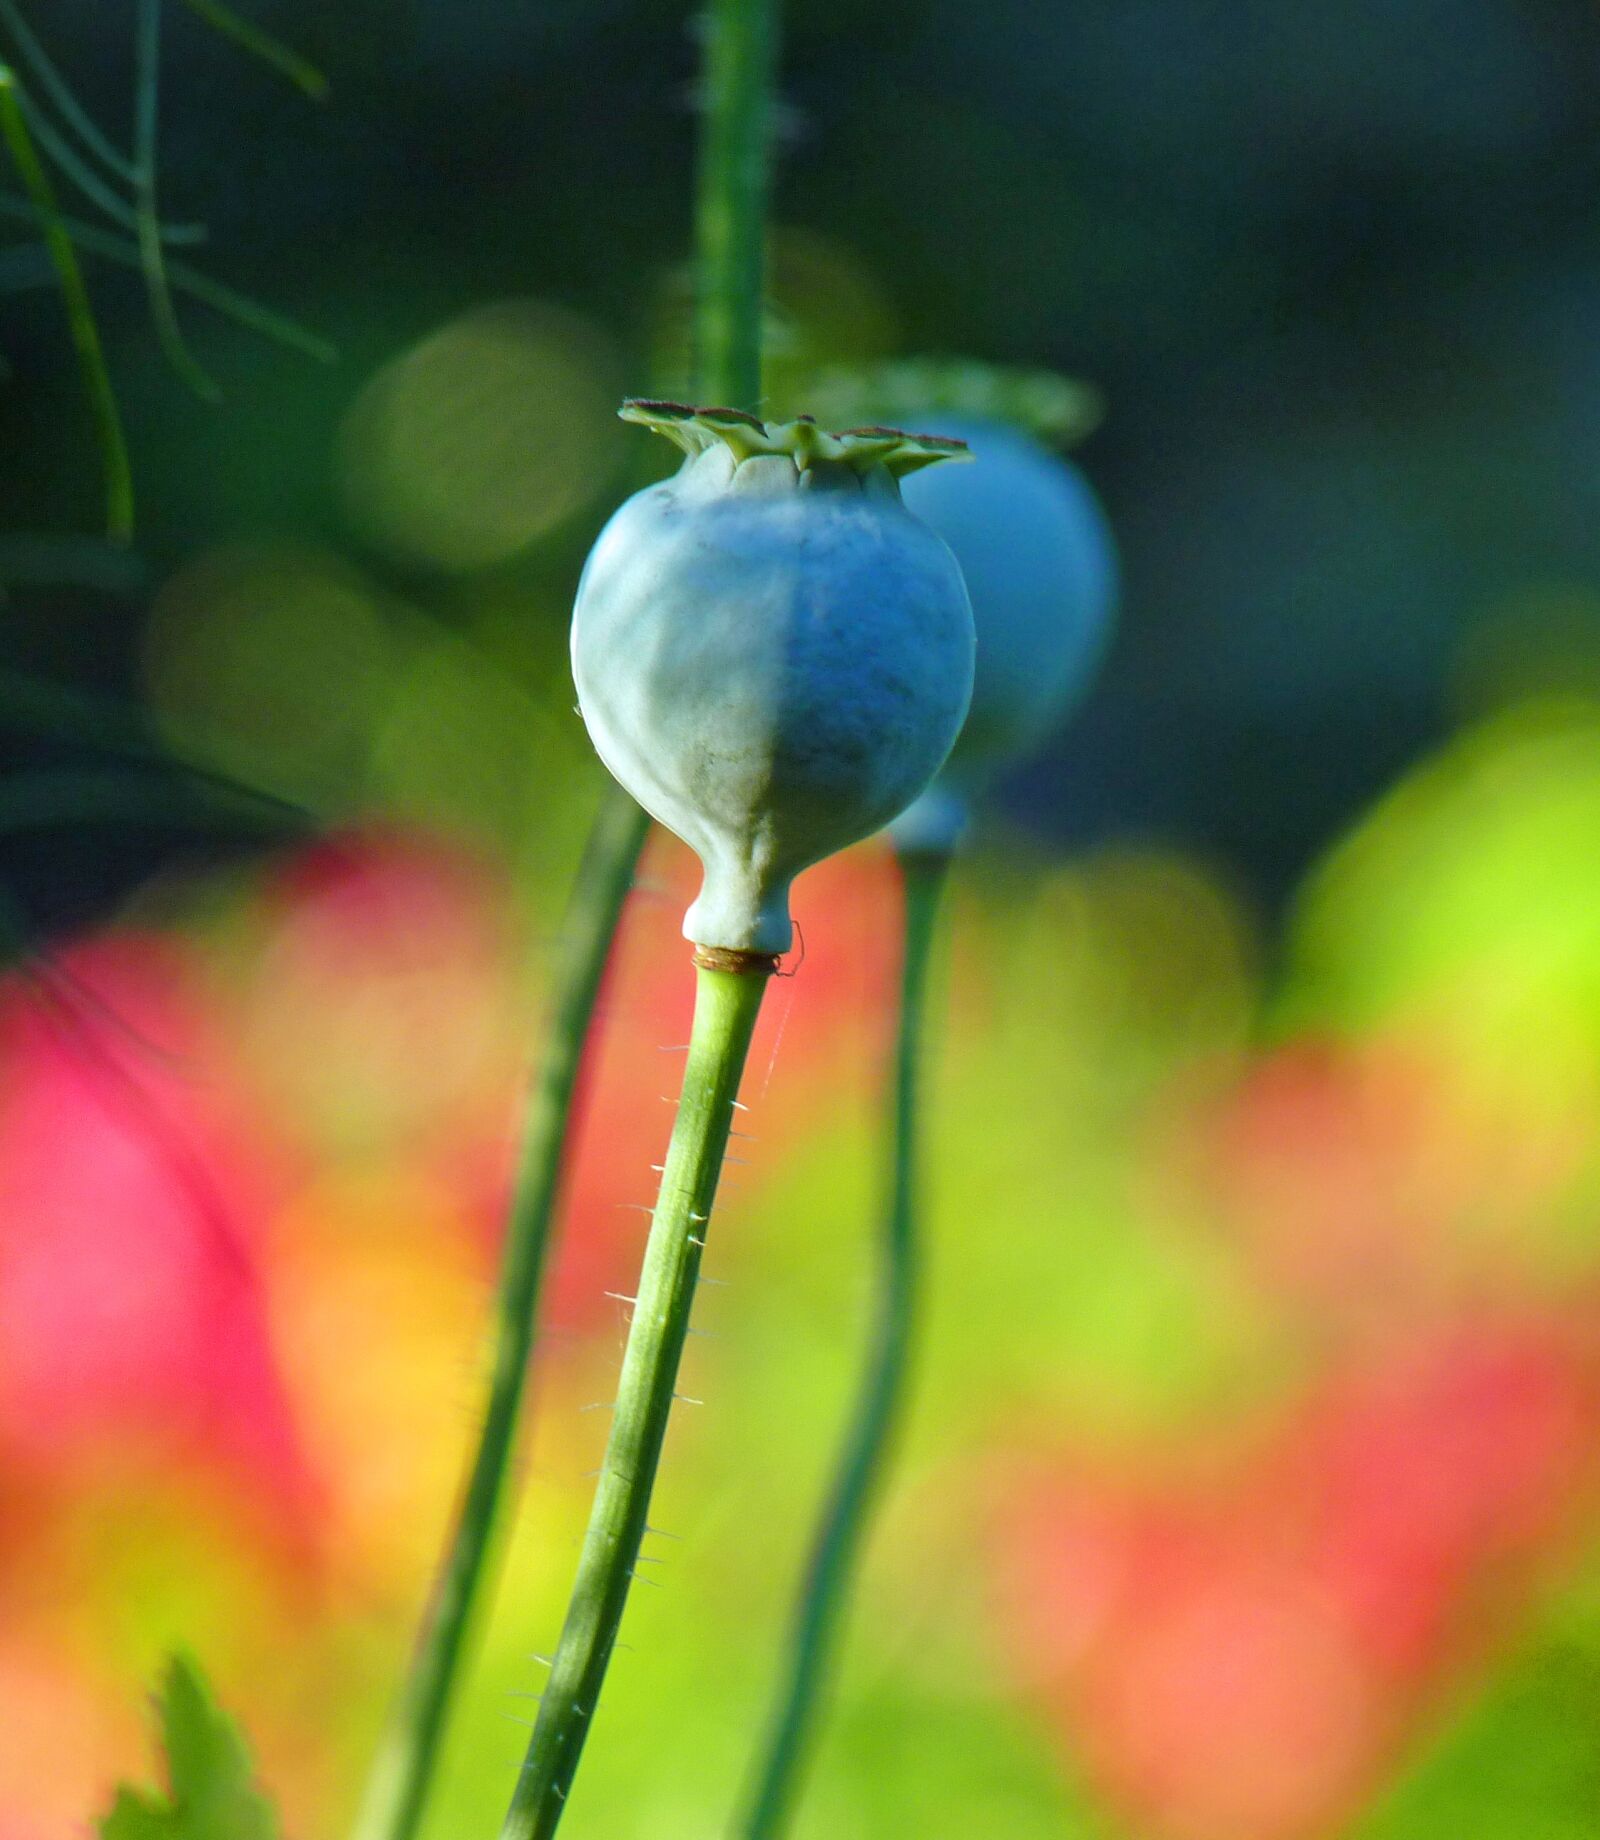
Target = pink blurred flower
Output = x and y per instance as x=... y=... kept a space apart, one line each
x=134 y=1189
x=378 y=1002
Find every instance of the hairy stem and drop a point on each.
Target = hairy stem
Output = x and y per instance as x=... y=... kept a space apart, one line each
x=868 y=1447
x=731 y=226
x=741 y=53
x=727 y=1001
x=408 y=1755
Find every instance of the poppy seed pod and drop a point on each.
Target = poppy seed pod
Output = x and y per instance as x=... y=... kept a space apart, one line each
x=1041 y=567
x=771 y=653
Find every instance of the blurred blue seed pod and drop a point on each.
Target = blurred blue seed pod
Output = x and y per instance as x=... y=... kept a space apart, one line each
x=771 y=653
x=1041 y=568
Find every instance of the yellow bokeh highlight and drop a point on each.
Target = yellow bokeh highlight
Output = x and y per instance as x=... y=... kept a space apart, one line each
x=272 y=663
x=472 y=445
x=1470 y=897
x=1462 y=920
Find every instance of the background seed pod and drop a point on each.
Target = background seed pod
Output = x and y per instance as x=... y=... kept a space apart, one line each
x=1041 y=568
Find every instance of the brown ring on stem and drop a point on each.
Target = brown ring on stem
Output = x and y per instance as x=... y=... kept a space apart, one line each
x=735 y=959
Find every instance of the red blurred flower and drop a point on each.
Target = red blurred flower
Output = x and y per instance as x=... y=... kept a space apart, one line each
x=1238 y=1648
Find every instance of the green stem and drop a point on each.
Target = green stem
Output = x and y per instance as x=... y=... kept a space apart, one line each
x=56 y=149
x=54 y=85
x=152 y=257
x=80 y=314
x=225 y=300
x=727 y=1002
x=407 y=1758
x=869 y=1444
x=301 y=72
x=732 y=210
x=730 y=220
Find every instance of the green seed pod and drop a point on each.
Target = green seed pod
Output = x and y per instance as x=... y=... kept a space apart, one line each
x=771 y=653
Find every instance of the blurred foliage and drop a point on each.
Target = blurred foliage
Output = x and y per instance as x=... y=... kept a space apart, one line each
x=1254 y=1468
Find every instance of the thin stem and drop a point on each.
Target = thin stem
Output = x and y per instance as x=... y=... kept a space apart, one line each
x=158 y=290
x=727 y=1002
x=225 y=300
x=402 y=1772
x=57 y=148
x=250 y=38
x=730 y=221
x=80 y=314
x=868 y=1447
x=55 y=86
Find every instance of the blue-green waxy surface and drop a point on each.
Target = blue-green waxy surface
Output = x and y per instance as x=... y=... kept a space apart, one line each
x=774 y=657
x=1041 y=568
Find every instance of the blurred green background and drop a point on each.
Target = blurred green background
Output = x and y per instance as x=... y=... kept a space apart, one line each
x=1251 y=1488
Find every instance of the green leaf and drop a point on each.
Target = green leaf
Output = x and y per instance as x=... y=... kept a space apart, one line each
x=209 y=1794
